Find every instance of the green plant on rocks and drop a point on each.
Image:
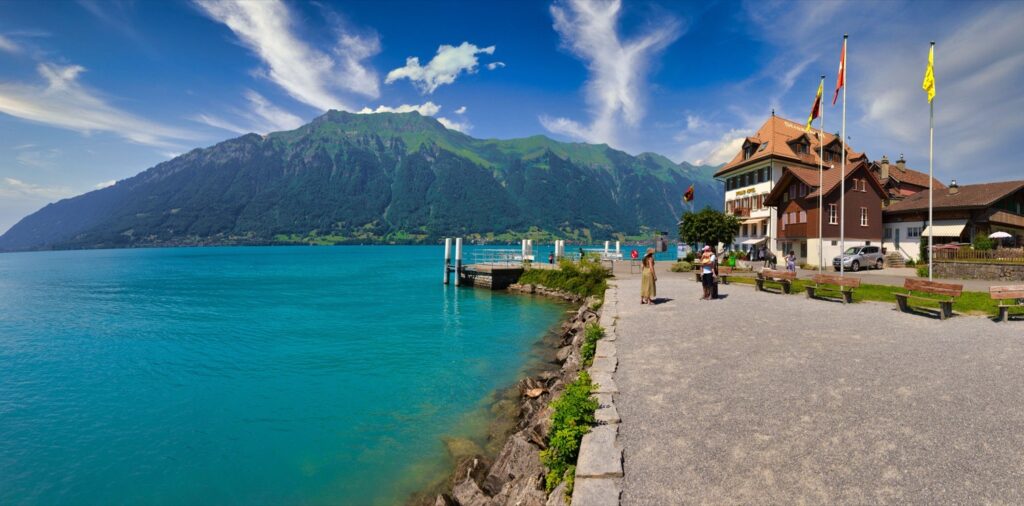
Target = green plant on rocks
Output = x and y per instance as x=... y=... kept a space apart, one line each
x=591 y=334
x=572 y=418
x=584 y=278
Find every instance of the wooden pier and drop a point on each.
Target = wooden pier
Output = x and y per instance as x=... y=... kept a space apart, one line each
x=496 y=269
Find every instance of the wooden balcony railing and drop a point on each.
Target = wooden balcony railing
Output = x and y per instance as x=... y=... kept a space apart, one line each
x=793 y=230
x=741 y=212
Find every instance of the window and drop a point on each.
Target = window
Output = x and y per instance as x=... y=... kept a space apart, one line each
x=763 y=145
x=785 y=220
x=914 y=232
x=800 y=148
x=832 y=214
x=792 y=217
x=803 y=216
x=887 y=234
x=863 y=185
x=760 y=176
x=835 y=243
x=792 y=190
x=803 y=190
x=863 y=216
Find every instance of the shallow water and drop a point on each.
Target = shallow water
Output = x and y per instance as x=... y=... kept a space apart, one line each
x=285 y=375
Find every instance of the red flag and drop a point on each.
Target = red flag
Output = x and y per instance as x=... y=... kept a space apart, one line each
x=841 y=79
x=688 y=196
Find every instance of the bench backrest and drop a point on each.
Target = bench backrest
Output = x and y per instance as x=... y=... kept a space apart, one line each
x=769 y=273
x=1006 y=292
x=933 y=287
x=832 y=279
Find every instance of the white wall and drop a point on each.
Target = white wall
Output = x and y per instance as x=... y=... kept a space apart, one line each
x=910 y=247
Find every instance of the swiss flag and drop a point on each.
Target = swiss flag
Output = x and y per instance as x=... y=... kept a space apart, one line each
x=841 y=79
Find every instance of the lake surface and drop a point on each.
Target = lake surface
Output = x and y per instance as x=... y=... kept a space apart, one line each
x=278 y=375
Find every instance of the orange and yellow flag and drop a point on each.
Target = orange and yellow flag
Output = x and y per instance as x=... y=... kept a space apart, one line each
x=816 y=108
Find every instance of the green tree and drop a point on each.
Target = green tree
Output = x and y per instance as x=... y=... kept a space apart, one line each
x=708 y=227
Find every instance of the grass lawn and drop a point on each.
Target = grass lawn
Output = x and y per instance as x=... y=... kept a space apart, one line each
x=974 y=303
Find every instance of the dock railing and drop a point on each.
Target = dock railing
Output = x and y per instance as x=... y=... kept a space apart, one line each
x=498 y=257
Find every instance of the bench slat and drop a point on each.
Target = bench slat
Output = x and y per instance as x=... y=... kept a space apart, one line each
x=787 y=275
x=1006 y=292
x=832 y=279
x=933 y=287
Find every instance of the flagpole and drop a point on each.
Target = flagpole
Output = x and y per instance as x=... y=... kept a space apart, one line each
x=821 y=161
x=931 y=145
x=842 y=175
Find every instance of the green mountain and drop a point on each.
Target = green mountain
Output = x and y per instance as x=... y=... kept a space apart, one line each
x=364 y=178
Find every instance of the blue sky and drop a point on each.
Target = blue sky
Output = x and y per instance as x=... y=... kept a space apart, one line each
x=96 y=91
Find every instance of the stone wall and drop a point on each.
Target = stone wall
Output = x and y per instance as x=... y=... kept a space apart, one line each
x=976 y=270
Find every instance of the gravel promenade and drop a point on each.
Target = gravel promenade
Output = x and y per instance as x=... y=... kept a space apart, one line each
x=771 y=399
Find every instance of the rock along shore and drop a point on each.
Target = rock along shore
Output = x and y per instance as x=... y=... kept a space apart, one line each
x=515 y=475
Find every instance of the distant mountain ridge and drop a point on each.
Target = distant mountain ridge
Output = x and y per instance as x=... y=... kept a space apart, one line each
x=374 y=178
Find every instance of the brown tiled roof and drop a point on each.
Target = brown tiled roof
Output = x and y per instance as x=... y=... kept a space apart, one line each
x=778 y=132
x=969 y=196
x=911 y=176
x=829 y=177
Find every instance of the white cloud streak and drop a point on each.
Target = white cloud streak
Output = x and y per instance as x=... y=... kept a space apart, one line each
x=63 y=102
x=461 y=110
x=495 y=65
x=261 y=117
x=304 y=72
x=104 y=184
x=8 y=45
x=443 y=68
x=15 y=188
x=425 y=109
x=618 y=68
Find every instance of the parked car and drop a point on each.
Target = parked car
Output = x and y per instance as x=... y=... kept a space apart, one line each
x=857 y=257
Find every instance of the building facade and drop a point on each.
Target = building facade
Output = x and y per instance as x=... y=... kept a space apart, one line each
x=959 y=214
x=755 y=172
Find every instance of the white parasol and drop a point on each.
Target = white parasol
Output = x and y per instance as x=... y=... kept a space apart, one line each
x=999 y=235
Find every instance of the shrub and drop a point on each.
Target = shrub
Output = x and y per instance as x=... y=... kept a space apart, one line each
x=690 y=256
x=909 y=263
x=573 y=417
x=584 y=278
x=592 y=333
x=924 y=249
x=981 y=242
x=682 y=266
x=922 y=271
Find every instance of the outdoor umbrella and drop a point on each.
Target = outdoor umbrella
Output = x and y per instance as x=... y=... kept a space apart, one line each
x=999 y=235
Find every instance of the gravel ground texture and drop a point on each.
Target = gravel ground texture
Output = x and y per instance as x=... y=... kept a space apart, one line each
x=760 y=398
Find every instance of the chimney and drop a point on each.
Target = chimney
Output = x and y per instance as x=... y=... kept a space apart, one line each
x=954 y=188
x=884 y=164
x=901 y=163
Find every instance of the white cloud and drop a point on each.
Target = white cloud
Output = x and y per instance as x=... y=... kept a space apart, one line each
x=8 y=45
x=461 y=126
x=443 y=68
x=14 y=188
x=495 y=65
x=618 y=68
x=426 y=109
x=261 y=117
x=461 y=110
x=306 y=73
x=65 y=103
x=105 y=184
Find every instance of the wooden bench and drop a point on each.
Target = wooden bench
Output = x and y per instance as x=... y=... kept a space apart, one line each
x=943 y=293
x=832 y=283
x=1007 y=293
x=783 y=278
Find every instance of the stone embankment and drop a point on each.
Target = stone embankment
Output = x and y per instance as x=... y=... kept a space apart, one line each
x=516 y=475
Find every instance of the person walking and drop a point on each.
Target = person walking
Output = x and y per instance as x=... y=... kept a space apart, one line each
x=648 y=278
x=791 y=261
x=707 y=272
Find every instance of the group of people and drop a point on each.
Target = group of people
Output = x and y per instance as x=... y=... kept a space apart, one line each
x=649 y=278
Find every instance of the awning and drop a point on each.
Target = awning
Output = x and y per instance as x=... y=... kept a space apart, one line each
x=947 y=228
x=751 y=221
x=753 y=241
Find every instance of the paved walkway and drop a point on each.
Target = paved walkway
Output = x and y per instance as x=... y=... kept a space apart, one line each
x=767 y=399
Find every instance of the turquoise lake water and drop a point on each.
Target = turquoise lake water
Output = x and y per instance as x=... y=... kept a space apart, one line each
x=284 y=375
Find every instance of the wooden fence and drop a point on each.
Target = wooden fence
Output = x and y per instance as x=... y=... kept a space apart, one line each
x=1000 y=255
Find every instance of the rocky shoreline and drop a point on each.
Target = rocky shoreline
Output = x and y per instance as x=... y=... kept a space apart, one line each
x=515 y=474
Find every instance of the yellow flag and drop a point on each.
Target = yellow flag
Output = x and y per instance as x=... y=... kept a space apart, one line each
x=929 y=75
x=816 y=108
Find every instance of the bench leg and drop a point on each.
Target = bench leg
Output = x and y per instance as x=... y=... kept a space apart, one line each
x=902 y=302
x=786 y=287
x=725 y=280
x=945 y=310
x=1004 y=313
x=847 y=297
x=810 y=291
x=759 y=285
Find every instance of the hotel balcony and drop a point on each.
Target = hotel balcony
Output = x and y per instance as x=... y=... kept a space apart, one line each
x=794 y=231
x=741 y=212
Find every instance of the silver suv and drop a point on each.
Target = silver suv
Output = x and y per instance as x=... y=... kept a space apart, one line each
x=857 y=257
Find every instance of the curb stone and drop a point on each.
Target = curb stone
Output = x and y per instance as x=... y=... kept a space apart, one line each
x=596 y=492
x=600 y=454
